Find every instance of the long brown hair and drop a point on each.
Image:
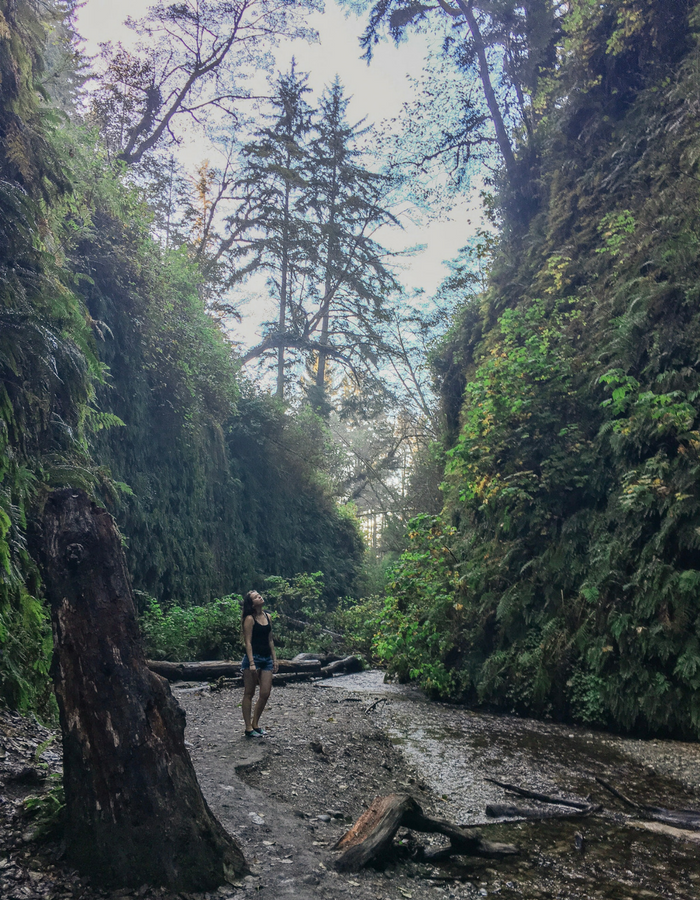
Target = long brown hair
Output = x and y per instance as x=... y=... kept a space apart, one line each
x=247 y=606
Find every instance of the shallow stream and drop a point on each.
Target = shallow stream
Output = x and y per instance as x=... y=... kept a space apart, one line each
x=456 y=750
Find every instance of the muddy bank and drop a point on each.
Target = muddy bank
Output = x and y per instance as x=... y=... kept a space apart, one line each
x=332 y=748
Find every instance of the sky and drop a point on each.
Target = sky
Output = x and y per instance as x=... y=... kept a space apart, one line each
x=378 y=92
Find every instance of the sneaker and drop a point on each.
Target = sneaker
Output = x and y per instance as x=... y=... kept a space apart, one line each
x=260 y=731
x=253 y=734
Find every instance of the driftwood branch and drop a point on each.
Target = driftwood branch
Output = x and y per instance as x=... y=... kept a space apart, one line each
x=505 y=811
x=374 y=831
x=543 y=798
x=678 y=818
x=375 y=704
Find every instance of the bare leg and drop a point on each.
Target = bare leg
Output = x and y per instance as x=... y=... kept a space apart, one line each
x=265 y=682
x=250 y=679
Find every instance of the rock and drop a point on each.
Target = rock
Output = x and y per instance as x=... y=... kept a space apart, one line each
x=323 y=818
x=256 y=819
x=309 y=879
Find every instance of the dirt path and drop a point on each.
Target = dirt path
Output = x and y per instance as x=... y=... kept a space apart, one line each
x=289 y=797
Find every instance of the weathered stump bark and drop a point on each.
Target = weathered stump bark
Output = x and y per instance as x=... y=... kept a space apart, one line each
x=135 y=812
x=373 y=832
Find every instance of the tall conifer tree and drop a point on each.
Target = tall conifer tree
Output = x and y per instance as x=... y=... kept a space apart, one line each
x=275 y=172
x=347 y=205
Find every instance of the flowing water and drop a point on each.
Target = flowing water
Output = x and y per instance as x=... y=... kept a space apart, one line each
x=612 y=855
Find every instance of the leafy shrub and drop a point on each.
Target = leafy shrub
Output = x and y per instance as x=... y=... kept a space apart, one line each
x=299 y=596
x=587 y=698
x=46 y=811
x=25 y=652
x=193 y=633
x=420 y=624
x=301 y=623
x=358 y=622
x=572 y=393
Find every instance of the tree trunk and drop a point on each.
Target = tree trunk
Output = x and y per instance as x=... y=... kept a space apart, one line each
x=491 y=101
x=284 y=275
x=135 y=812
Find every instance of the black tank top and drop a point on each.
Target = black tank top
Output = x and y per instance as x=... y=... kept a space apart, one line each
x=260 y=640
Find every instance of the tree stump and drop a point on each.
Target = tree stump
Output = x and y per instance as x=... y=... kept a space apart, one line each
x=135 y=812
x=374 y=831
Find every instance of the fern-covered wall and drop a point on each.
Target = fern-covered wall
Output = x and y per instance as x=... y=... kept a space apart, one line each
x=224 y=484
x=114 y=378
x=570 y=584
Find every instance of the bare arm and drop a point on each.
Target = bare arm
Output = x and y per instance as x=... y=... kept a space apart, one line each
x=247 y=637
x=275 y=664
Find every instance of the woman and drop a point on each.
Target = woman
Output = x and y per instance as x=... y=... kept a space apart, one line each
x=259 y=661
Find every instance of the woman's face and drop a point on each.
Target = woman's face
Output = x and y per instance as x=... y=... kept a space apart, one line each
x=257 y=601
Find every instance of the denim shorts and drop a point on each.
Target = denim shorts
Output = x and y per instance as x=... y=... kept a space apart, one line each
x=262 y=663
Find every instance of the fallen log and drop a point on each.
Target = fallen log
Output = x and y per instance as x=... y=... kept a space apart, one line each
x=683 y=834
x=210 y=670
x=677 y=818
x=535 y=795
x=300 y=625
x=374 y=831
x=323 y=658
x=346 y=665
